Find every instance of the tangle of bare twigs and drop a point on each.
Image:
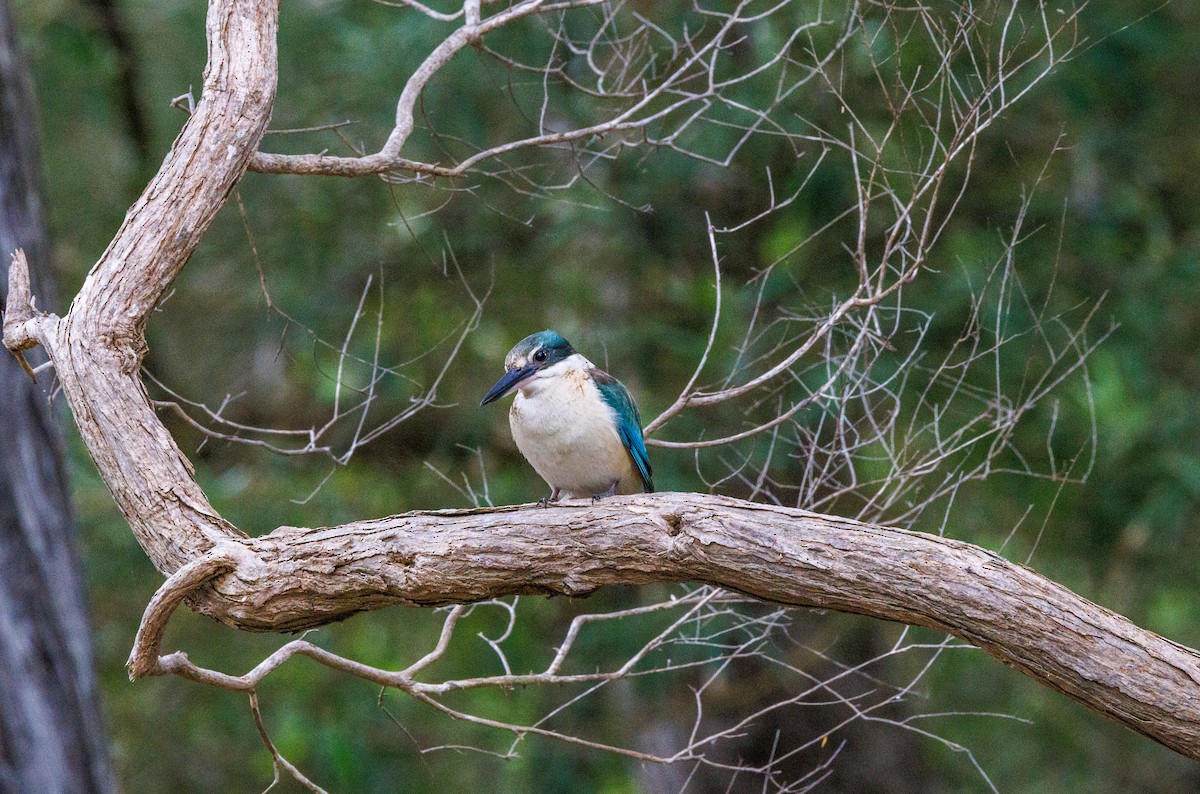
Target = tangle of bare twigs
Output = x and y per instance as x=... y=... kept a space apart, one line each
x=829 y=398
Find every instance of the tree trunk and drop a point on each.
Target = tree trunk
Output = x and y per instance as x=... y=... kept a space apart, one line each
x=50 y=729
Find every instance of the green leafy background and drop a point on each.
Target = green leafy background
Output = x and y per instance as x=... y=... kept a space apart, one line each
x=632 y=290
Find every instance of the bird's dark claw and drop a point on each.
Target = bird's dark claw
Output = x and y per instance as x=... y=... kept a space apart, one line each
x=554 y=496
x=612 y=489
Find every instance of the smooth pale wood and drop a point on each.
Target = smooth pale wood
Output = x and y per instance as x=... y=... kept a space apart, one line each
x=298 y=578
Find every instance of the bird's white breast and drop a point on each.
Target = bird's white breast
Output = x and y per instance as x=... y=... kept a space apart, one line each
x=568 y=433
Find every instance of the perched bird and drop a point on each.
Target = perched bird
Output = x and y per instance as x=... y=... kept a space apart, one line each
x=575 y=423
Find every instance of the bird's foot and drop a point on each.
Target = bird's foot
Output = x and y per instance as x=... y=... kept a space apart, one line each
x=554 y=496
x=612 y=489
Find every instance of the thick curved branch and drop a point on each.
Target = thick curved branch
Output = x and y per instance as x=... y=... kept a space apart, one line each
x=297 y=578
x=97 y=348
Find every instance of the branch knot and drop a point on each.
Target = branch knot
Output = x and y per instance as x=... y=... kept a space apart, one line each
x=20 y=308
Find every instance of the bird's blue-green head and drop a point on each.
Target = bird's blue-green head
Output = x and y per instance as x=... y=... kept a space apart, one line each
x=529 y=356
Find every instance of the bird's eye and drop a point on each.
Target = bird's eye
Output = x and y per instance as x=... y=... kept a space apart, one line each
x=540 y=355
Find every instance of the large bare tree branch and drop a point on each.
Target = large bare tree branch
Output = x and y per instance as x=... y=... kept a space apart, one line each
x=296 y=578
x=98 y=347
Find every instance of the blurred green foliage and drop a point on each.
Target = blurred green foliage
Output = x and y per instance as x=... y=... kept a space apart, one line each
x=1117 y=209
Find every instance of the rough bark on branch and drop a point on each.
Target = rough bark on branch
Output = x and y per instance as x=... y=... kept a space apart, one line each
x=297 y=578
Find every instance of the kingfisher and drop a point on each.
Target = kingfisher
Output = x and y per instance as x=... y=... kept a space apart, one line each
x=575 y=424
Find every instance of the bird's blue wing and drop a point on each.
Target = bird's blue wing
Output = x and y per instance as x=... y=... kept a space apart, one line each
x=629 y=423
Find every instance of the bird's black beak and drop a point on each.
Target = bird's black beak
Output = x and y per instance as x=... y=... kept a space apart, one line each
x=506 y=384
